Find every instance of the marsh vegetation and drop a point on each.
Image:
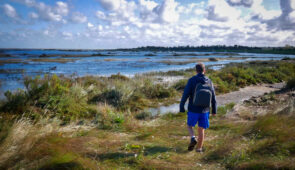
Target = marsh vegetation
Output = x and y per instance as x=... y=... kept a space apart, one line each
x=89 y=122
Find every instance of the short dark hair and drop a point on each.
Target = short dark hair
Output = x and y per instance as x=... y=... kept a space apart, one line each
x=200 y=68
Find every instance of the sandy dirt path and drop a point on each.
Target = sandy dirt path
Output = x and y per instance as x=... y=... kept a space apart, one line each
x=232 y=97
x=247 y=92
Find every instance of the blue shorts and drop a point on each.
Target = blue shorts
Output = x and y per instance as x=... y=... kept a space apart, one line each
x=201 y=118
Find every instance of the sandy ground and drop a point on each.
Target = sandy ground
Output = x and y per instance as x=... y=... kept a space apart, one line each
x=247 y=92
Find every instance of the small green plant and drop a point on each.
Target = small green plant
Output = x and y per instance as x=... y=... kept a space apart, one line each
x=63 y=161
x=222 y=110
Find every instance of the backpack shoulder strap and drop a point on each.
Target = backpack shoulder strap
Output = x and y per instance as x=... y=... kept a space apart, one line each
x=211 y=84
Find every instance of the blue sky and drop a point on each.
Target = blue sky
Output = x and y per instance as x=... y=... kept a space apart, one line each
x=123 y=23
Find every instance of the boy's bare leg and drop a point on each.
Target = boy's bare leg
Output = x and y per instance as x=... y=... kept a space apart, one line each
x=191 y=131
x=193 y=141
x=201 y=134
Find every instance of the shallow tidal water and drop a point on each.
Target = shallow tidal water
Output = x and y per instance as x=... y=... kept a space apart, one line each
x=22 y=63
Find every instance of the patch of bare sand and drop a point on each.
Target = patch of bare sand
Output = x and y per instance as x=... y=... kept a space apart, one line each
x=247 y=92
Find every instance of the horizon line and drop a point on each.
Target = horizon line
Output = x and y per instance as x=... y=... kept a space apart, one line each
x=188 y=46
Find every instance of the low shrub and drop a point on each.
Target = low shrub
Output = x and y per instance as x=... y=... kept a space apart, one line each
x=119 y=77
x=87 y=81
x=180 y=85
x=16 y=102
x=50 y=95
x=286 y=58
x=157 y=91
x=291 y=83
x=137 y=101
x=112 y=97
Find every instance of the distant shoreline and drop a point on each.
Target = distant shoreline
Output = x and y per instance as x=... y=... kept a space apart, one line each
x=218 y=48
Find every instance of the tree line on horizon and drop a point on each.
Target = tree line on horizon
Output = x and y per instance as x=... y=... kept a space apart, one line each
x=287 y=49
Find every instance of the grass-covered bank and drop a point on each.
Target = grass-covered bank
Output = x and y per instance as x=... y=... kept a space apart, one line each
x=236 y=75
x=70 y=99
x=116 y=97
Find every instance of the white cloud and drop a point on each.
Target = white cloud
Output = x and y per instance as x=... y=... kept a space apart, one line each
x=187 y=9
x=146 y=10
x=199 y=12
x=220 y=10
x=90 y=25
x=46 y=12
x=275 y=19
x=10 y=11
x=118 y=12
x=260 y=12
x=167 y=11
x=292 y=17
x=159 y=23
x=292 y=4
x=78 y=17
x=33 y=15
x=125 y=23
x=67 y=35
x=147 y=4
x=100 y=15
x=61 y=8
x=49 y=13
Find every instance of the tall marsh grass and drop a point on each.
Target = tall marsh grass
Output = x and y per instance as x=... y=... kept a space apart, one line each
x=74 y=98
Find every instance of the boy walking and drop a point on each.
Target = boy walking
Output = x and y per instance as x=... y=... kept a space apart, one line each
x=200 y=91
